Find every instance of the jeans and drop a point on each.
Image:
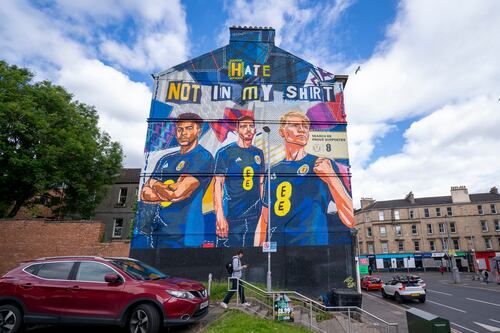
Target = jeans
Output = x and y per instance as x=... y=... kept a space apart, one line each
x=241 y=291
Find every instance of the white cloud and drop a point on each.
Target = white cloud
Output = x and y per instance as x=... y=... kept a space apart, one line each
x=438 y=63
x=53 y=41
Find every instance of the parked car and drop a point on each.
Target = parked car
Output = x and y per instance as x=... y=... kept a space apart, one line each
x=371 y=282
x=413 y=278
x=95 y=290
x=402 y=290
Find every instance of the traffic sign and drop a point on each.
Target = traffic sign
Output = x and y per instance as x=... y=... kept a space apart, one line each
x=270 y=247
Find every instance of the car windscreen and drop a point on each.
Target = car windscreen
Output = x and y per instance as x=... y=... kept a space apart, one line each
x=375 y=280
x=139 y=270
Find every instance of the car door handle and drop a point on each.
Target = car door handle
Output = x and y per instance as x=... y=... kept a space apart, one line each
x=74 y=288
x=27 y=286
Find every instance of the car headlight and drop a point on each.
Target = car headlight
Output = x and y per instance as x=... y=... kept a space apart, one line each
x=181 y=294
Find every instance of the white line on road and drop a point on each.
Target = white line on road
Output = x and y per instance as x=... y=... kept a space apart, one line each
x=488 y=327
x=496 y=321
x=478 y=300
x=446 y=306
x=465 y=328
x=439 y=292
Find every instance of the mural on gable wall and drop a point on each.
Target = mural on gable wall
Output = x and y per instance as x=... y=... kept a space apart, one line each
x=204 y=180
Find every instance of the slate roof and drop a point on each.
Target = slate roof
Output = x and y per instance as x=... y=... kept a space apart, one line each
x=129 y=176
x=430 y=201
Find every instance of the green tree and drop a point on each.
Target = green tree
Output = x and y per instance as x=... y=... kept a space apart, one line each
x=47 y=139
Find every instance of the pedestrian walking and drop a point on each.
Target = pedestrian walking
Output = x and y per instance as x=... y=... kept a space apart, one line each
x=486 y=275
x=441 y=269
x=237 y=270
x=370 y=269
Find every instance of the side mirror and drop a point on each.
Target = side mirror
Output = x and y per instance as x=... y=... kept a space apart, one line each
x=112 y=278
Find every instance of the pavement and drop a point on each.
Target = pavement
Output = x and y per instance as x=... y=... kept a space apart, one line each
x=215 y=312
x=471 y=306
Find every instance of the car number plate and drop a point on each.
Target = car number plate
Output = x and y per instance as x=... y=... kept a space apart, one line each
x=204 y=305
x=415 y=294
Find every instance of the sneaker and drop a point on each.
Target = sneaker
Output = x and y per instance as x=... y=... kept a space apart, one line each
x=246 y=304
x=224 y=305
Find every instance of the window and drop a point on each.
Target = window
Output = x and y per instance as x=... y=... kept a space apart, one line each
x=118 y=228
x=369 y=231
x=426 y=212
x=449 y=211
x=93 y=271
x=401 y=246
x=416 y=245
x=412 y=214
x=487 y=241
x=438 y=211
x=432 y=245
x=493 y=209
x=122 y=196
x=385 y=248
x=497 y=225
x=367 y=217
x=383 y=231
x=441 y=228
x=429 y=228
x=56 y=270
x=484 y=226
x=456 y=244
x=396 y=214
x=381 y=216
x=480 y=209
x=399 y=231
x=444 y=244
x=414 y=229
x=370 y=248
x=453 y=227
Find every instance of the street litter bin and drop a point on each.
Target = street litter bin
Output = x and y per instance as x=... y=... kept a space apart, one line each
x=421 y=321
x=344 y=297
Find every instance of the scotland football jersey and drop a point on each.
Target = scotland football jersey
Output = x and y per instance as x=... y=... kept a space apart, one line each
x=242 y=168
x=299 y=203
x=181 y=223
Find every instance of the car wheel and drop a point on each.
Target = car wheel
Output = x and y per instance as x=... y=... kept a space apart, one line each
x=422 y=299
x=11 y=319
x=384 y=295
x=398 y=298
x=144 y=319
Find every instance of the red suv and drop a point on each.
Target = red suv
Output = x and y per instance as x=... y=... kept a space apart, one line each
x=94 y=290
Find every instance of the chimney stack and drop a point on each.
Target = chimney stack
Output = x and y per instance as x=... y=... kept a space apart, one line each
x=494 y=190
x=365 y=202
x=410 y=198
x=459 y=194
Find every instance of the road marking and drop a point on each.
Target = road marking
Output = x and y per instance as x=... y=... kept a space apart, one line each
x=488 y=327
x=478 y=300
x=465 y=328
x=496 y=321
x=446 y=306
x=439 y=292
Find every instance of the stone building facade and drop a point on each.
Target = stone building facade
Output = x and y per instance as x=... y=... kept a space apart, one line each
x=424 y=232
x=116 y=210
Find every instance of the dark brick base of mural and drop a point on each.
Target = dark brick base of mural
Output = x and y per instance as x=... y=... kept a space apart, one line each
x=309 y=269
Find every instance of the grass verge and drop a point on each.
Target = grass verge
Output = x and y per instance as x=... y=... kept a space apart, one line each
x=238 y=321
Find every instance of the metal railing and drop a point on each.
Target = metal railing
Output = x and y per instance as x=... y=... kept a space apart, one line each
x=312 y=314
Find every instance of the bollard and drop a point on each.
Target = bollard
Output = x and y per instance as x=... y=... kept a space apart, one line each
x=209 y=283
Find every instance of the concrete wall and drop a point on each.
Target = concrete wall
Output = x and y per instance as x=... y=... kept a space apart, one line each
x=29 y=239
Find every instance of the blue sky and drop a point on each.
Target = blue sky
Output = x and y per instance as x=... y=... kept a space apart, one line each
x=423 y=110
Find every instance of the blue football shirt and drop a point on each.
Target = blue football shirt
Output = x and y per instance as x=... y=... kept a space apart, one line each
x=299 y=203
x=242 y=168
x=183 y=220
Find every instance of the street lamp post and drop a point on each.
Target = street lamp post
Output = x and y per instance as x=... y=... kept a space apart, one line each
x=454 y=269
x=268 y=131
